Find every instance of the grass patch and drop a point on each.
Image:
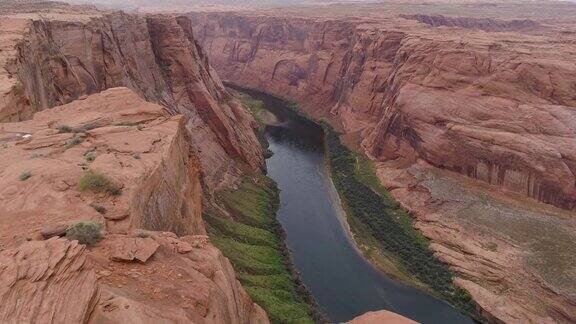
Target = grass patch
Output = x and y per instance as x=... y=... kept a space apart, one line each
x=25 y=175
x=241 y=232
x=257 y=110
x=97 y=182
x=370 y=205
x=251 y=242
x=87 y=233
x=274 y=302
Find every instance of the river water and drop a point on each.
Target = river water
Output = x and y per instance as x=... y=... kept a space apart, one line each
x=341 y=281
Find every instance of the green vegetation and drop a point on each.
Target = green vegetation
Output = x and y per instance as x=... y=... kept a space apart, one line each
x=92 y=180
x=25 y=175
x=369 y=204
x=251 y=241
x=256 y=108
x=87 y=233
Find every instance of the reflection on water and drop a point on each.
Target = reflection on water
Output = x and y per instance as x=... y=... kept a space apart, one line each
x=343 y=283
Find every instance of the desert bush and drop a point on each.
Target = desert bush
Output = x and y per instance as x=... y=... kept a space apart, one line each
x=87 y=233
x=25 y=175
x=90 y=156
x=64 y=129
x=72 y=142
x=84 y=128
x=95 y=181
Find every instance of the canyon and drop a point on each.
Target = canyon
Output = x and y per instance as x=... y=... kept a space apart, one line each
x=467 y=111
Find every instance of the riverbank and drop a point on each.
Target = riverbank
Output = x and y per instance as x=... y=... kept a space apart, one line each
x=379 y=223
x=253 y=240
x=407 y=258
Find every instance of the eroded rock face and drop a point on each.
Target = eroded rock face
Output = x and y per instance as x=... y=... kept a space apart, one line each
x=39 y=280
x=487 y=24
x=149 y=275
x=55 y=61
x=469 y=130
x=473 y=107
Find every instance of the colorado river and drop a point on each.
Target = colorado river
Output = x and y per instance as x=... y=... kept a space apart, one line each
x=341 y=281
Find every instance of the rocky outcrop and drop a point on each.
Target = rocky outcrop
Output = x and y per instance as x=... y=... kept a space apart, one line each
x=430 y=108
x=39 y=279
x=60 y=59
x=381 y=317
x=148 y=275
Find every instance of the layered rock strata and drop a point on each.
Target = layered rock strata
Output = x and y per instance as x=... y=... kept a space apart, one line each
x=167 y=273
x=57 y=59
x=476 y=107
x=434 y=106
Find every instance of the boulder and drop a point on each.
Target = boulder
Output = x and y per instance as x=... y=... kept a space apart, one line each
x=132 y=248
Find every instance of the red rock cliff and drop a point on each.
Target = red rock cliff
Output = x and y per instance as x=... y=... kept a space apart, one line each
x=64 y=58
x=154 y=262
x=429 y=105
x=156 y=143
x=488 y=111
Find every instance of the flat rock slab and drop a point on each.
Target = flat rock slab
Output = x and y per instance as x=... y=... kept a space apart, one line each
x=133 y=248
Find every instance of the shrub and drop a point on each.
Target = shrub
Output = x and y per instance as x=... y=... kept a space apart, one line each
x=95 y=181
x=25 y=175
x=80 y=129
x=87 y=233
x=136 y=156
x=72 y=142
x=64 y=129
x=84 y=128
x=90 y=156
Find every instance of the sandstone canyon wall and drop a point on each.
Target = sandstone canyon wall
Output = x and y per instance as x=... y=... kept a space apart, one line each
x=492 y=112
x=130 y=107
x=468 y=130
x=62 y=59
